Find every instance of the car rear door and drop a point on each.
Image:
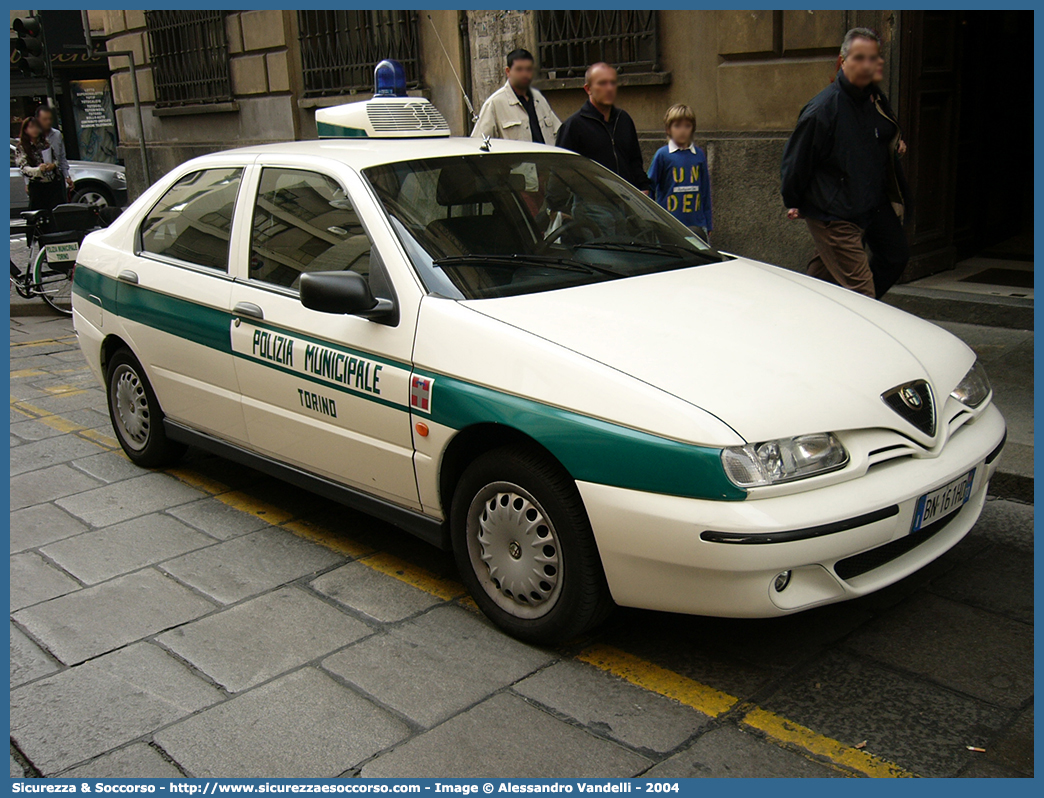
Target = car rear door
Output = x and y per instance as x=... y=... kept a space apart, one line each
x=324 y=392
x=173 y=294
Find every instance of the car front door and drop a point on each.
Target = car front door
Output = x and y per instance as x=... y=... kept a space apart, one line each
x=325 y=392
x=173 y=294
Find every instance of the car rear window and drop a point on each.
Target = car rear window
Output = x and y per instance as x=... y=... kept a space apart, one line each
x=192 y=222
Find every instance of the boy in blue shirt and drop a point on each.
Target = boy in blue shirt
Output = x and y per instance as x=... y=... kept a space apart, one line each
x=680 y=181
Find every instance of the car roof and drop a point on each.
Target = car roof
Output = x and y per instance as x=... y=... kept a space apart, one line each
x=365 y=152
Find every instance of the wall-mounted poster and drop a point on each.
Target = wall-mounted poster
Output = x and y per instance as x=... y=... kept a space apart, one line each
x=95 y=119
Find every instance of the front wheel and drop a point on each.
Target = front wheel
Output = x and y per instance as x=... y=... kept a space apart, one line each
x=524 y=547
x=136 y=415
x=54 y=285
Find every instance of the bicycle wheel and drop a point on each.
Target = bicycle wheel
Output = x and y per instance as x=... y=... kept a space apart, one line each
x=54 y=286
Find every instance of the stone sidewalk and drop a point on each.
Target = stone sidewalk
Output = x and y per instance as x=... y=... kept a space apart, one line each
x=210 y=621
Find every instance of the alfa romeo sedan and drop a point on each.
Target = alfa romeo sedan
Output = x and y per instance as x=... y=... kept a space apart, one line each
x=509 y=351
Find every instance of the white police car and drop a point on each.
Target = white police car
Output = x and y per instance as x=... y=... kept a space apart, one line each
x=507 y=350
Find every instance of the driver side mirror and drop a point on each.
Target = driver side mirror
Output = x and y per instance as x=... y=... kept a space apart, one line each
x=346 y=293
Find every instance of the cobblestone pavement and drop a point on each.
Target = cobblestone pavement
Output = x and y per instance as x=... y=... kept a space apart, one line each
x=210 y=621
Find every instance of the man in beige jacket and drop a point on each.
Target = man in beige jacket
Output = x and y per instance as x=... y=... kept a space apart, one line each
x=516 y=110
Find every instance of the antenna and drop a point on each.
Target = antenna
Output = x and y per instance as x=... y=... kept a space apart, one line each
x=474 y=116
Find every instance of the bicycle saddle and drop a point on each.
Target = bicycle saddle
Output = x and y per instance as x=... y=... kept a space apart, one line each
x=32 y=217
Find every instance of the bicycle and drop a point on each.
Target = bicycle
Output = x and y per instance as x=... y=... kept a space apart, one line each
x=53 y=239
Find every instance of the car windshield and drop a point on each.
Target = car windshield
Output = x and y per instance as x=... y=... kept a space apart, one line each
x=501 y=224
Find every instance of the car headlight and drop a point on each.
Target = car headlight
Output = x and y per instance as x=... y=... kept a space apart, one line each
x=974 y=388
x=121 y=177
x=783 y=460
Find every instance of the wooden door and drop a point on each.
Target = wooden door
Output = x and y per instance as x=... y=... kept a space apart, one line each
x=930 y=60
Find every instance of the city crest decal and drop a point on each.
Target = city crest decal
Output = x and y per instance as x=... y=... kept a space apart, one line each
x=420 y=393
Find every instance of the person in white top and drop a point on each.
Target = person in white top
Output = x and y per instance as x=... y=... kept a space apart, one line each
x=516 y=110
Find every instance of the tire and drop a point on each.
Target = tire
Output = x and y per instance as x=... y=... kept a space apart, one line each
x=56 y=285
x=92 y=195
x=136 y=415
x=524 y=547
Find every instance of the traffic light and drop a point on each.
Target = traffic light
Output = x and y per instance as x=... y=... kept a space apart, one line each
x=30 y=47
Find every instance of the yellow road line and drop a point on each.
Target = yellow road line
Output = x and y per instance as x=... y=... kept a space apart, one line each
x=62 y=424
x=20 y=373
x=324 y=537
x=659 y=680
x=397 y=568
x=47 y=418
x=20 y=410
x=255 y=507
x=786 y=731
x=63 y=389
x=99 y=438
x=30 y=410
x=199 y=481
x=42 y=342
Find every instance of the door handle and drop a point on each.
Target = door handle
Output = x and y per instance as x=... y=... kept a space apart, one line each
x=248 y=309
x=128 y=276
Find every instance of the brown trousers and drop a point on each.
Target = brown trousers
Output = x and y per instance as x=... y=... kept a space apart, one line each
x=840 y=257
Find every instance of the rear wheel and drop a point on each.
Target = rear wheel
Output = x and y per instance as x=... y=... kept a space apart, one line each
x=54 y=285
x=136 y=415
x=524 y=547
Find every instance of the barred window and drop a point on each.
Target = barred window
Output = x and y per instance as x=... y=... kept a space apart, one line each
x=339 y=49
x=570 y=41
x=189 y=57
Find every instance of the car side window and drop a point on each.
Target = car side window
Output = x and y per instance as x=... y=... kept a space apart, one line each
x=304 y=222
x=192 y=222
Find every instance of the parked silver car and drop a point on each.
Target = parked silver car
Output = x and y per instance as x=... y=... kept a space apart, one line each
x=94 y=184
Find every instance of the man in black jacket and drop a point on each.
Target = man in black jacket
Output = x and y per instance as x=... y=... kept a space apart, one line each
x=839 y=170
x=602 y=132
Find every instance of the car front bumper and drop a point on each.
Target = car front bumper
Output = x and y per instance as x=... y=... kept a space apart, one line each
x=656 y=555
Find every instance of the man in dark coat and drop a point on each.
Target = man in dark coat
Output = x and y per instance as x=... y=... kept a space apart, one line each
x=602 y=132
x=839 y=170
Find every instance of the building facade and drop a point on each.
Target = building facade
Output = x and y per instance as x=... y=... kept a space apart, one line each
x=212 y=80
x=81 y=91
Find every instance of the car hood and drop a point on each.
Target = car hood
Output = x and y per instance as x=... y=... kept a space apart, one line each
x=769 y=352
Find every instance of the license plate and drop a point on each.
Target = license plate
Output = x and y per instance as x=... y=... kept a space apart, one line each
x=62 y=253
x=943 y=501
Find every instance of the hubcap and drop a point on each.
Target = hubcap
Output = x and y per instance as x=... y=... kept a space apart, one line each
x=131 y=408
x=93 y=198
x=514 y=550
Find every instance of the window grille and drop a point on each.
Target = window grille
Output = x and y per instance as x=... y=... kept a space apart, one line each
x=570 y=41
x=339 y=49
x=189 y=57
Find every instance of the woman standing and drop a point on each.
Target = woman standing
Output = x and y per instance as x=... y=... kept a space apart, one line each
x=34 y=159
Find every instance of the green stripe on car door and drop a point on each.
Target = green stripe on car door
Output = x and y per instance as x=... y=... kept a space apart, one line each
x=198 y=323
x=591 y=450
x=193 y=321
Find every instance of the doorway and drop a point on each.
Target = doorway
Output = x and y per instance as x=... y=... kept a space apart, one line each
x=966 y=102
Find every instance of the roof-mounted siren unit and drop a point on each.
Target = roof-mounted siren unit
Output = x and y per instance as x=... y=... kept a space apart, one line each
x=391 y=114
